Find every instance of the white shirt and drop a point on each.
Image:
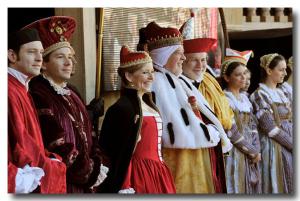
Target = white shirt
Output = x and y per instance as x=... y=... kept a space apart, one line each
x=24 y=79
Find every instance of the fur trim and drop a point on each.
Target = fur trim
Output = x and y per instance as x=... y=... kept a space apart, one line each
x=171 y=133
x=184 y=116
x=170 y=101
x=205 y=109
x=187 y=84
x=170 y=80
x=204 y=128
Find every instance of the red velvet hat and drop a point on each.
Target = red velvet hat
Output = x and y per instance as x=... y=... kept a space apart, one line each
x=192 y=43
x=158 y=37
x=131 y=58
x=199 y=45
x=55 y=32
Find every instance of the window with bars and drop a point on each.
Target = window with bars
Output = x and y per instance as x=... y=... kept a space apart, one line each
x=121 y=26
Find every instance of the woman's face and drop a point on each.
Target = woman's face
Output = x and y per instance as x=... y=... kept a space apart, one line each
x=248 y=80
x=237 y=79
x=278 y=73
x=142 y=79
x=174 y=63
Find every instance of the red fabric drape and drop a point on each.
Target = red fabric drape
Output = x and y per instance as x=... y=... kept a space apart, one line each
x=25 y=142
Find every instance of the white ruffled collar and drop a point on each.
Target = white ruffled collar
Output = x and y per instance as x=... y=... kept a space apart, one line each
x=276 y=95
x=242 y=103
x=287 y=87
x=60 y=90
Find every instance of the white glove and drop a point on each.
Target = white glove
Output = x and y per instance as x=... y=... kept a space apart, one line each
x=28 y=179
x=127 y=191
x=225 y=142
x=102 y=175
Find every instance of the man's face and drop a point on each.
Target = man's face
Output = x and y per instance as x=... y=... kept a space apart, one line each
x=175 y=61
x=60 y=65
x=195 y=65
x=29 y=59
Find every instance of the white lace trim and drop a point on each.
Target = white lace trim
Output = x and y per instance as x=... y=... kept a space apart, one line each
x=276 y=95
x=127 y=191
x=243 y=104
x=102 y=175
x=216 y=127
x=60 y=90
x=286 y=87
x=147 y=114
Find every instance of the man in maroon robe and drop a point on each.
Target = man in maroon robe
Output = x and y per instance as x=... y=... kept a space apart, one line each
x=31 y=168
x=65 y=123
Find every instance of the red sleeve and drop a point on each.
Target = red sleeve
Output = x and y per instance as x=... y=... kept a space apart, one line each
x=52 y=155
x=25 y=145
x=12 y=172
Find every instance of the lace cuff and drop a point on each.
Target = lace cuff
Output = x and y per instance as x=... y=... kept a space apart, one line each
x=28 y=179
x=102 y=175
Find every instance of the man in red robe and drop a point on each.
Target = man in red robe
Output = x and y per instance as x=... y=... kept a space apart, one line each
x=31 y=168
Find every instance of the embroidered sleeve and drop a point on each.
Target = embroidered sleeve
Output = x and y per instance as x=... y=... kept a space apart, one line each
x=254 y=134
x=267 y=122
x=241 y=143
x=261 y=103
x=269 y=127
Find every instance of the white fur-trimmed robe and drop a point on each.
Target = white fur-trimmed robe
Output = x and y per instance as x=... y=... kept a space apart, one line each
x=170 y=101
x=206 y=110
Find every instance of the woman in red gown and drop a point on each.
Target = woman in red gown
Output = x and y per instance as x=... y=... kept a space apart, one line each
x=131 y=133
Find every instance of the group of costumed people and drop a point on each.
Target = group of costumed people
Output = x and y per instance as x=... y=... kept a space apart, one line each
x=174 y=129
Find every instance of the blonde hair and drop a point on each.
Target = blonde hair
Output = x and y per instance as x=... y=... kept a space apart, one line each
x=131 y=69
x=265 y=60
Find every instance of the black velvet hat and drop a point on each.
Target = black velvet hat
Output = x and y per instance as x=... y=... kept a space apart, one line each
x=16 y=39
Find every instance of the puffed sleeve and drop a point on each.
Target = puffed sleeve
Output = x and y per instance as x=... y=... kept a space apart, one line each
x=265 y=116
x=254 y=134
x=238 y=140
